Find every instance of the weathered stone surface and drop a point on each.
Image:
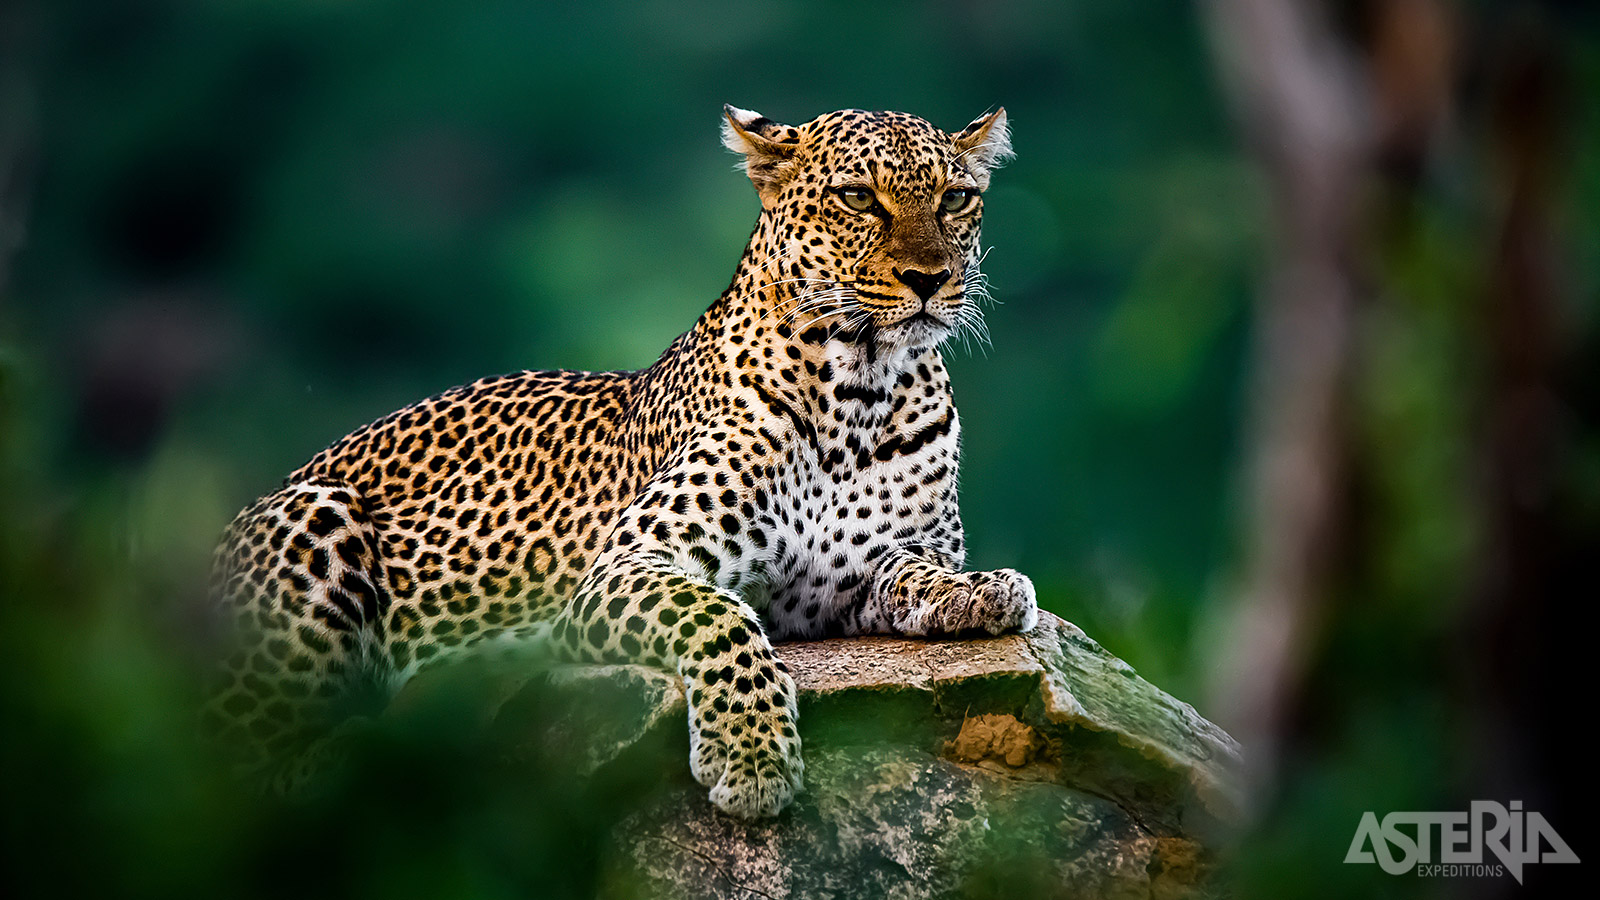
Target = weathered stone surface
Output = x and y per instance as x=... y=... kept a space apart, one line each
x=1033 y=765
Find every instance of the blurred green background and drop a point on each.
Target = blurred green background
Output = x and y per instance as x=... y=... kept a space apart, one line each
x=250 y=226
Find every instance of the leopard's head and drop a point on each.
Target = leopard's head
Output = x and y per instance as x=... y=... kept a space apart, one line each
x=870 y=220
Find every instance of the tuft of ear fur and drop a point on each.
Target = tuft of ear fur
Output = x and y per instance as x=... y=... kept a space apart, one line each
x=985 y=145
x=768 y=148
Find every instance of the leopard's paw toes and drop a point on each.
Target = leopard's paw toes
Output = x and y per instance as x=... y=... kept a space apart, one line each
x=749 y=759
x=1004 y=600
x=764 y=770
x=743 y=741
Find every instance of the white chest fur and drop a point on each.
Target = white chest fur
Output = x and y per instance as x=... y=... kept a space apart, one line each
x=880 y=474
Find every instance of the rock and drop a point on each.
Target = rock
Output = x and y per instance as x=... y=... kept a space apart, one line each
x=1034 y=765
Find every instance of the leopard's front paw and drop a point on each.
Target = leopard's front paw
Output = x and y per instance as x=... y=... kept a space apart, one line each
x=996 y=602
x=743 y=741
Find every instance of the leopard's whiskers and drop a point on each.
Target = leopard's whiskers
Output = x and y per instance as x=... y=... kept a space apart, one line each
x=970 y=324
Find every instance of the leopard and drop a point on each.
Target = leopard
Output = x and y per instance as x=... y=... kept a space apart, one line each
x=786 y=469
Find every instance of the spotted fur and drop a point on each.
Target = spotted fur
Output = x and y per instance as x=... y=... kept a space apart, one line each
x=786 y=469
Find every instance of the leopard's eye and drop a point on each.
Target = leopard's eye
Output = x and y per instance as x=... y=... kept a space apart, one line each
x=859 y=199
x=958 y=200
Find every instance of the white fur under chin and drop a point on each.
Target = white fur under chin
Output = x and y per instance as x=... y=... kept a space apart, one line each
x=915 y=335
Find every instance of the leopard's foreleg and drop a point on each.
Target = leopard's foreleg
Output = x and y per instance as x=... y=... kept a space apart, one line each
x=644 y=606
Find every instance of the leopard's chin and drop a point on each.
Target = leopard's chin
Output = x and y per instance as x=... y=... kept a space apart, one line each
x=923 y=329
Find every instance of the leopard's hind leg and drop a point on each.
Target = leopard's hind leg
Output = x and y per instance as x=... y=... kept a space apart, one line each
x=299 y=585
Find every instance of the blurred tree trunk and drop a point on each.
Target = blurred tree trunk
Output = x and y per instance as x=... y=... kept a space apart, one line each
x=1292 y=89
x=1341 y=115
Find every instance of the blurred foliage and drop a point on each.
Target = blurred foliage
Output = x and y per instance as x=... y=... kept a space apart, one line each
x=256 y=225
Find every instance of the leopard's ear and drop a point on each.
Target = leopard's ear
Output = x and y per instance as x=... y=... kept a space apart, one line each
x=985 y=145
x=768 y=148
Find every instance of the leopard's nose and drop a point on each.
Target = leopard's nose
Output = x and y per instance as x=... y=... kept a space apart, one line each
x=925 y=284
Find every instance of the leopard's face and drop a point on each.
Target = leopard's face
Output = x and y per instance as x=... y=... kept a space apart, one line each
x=872 y=220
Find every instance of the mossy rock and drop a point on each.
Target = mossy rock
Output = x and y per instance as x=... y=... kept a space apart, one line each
x=1034 y=765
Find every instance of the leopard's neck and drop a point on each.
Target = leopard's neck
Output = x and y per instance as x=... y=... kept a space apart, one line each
x=843 y=384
